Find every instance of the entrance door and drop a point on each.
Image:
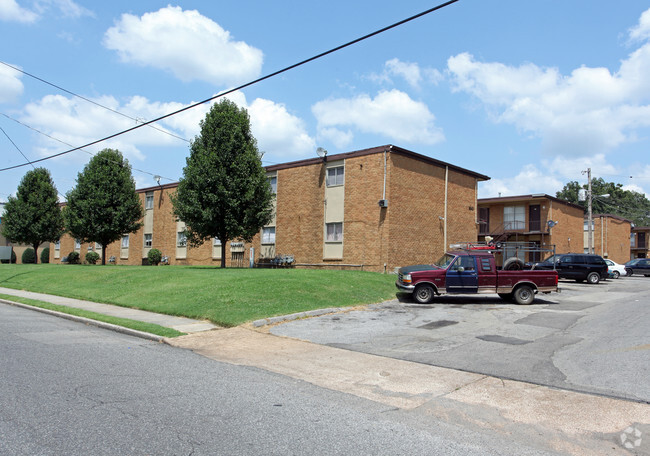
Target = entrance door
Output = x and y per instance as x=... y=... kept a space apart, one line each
x=462 y=276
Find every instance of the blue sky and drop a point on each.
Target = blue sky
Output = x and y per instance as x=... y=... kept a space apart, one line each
x=528 y=93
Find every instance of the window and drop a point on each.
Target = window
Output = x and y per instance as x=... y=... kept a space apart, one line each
x=334 y=232
x=586 y=225
x=514 y=217
x=466 y=262
x=148 y=240
x=181 y=239
x=125 y=241
x=148 y=200
x=274 y=184
x=57 y=245
x=77 y=244
x=335 y=176
x=216 y=241
x=268 y=235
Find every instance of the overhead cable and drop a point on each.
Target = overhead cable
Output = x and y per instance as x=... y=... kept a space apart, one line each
x=263 y=78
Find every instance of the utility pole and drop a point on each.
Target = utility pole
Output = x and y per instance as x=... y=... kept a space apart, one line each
x=590 y=233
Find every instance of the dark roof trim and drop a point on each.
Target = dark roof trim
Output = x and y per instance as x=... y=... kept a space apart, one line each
x=377 y=150
x=157 y=187
x=536 y=196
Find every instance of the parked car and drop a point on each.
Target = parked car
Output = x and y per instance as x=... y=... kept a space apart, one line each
x=473 y=272
x=577 y=266
x=638 y=266
x=615 y=270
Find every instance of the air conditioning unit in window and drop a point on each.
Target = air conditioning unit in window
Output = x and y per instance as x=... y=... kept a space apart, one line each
x=383 y=203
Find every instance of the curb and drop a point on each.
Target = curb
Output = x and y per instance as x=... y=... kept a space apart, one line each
x=296 y=316
x=88 y=321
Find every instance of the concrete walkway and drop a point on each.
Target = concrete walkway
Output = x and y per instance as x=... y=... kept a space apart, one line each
x=182 y=324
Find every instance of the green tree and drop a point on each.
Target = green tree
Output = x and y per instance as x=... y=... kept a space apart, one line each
x=103 y=205
x=224 y=192
x=624 y=203
x=34 y=215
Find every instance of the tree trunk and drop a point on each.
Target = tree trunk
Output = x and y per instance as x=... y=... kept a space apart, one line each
x=103 y=255
x=223 y=254
x=36 y=253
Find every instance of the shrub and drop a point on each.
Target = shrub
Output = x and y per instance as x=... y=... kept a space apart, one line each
x=73 y=258
x=154 y=256
x=45 y=255
x=92 y=257
x=29 y=257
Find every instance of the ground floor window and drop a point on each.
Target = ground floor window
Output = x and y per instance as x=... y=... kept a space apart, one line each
x=334 y=232
x=268 y=235
x=148 y=240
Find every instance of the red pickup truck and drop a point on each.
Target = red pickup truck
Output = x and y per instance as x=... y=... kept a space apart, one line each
x=464 y=272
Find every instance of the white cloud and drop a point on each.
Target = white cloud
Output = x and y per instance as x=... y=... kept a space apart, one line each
x=187 y=44
x=11 y=87
x=10 y=11
x=590 y=111
x=392 y=114
x=530 y=180
x=67 y=8
x=409 y=71
x=641 y=31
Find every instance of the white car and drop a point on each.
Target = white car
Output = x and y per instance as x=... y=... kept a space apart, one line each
x=615 y=270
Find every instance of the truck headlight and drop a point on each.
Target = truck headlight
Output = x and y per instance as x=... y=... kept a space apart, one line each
x=406 y=278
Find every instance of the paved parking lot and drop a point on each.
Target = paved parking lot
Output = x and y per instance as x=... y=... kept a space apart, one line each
x=589 y=338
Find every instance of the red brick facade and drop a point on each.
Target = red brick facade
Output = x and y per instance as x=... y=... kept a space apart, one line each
x=611 y=237
x=428 y=202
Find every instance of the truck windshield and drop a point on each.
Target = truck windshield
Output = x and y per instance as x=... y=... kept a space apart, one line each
x=444 y=261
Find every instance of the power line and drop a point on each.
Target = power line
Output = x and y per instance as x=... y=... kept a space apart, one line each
x=17 y=148
x=263 y=78
x=91 y=101
x=70 y=145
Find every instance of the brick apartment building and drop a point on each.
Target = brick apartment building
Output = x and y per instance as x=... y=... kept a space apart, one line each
x=373 y=209
x=640 y=247
x=538 y=220
x=610 y=238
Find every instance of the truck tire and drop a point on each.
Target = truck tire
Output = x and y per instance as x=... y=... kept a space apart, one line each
x=593 y=278
x=513 y=264
x=506 y=296
x=524 y=295
x=424 y=293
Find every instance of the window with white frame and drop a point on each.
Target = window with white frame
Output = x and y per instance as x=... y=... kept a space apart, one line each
x=334 y=232
x=77 y=244
x=148 y=240
x=125 y=241
x=148 y=200
x=216 y=242
x=633 y=240
x=273 y=181
x=57 y=245
x=181 y=239
x=514 y=217
x=268 y=235
x=586 y=225
x=335 y=176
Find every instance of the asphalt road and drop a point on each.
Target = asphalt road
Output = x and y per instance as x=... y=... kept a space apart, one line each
x=67 y=388
x=588 y=338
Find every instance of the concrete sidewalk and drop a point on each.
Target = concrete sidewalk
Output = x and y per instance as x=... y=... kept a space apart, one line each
x=182 y=324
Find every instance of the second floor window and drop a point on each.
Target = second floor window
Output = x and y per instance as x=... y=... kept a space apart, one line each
x=335 y=176
x=148 y=240
x=334 y=232
x=148 y=200
x=125 y=241
x=514 y=217
x=274 y=184
x=181 y=239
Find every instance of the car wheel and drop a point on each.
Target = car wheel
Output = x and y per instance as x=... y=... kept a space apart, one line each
x=513 y=264
x=524 y=295
x=506 y=296
x=593 y=278
x=616 y=274
x=628 y=272
x=423 y=293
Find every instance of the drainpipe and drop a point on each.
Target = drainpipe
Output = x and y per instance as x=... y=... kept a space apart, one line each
x=445 y=216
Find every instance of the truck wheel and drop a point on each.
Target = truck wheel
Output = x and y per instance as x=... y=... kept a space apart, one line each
x=513 y=264
x=524 y=295
x=506 y=296
x=593 y=278
x=423 y=293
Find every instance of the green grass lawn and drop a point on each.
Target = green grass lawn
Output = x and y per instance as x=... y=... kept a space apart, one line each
x=227 y=297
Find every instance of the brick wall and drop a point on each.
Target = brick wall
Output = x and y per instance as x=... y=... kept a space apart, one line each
x=611 y=238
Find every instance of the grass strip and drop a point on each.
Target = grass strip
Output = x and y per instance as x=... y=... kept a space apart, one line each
x=227 y=297
x=124 y=322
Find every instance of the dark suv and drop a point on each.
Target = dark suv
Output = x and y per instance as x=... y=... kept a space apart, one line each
x=577 y=266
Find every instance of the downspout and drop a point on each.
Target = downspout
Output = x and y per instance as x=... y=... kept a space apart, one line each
x=445 y=216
